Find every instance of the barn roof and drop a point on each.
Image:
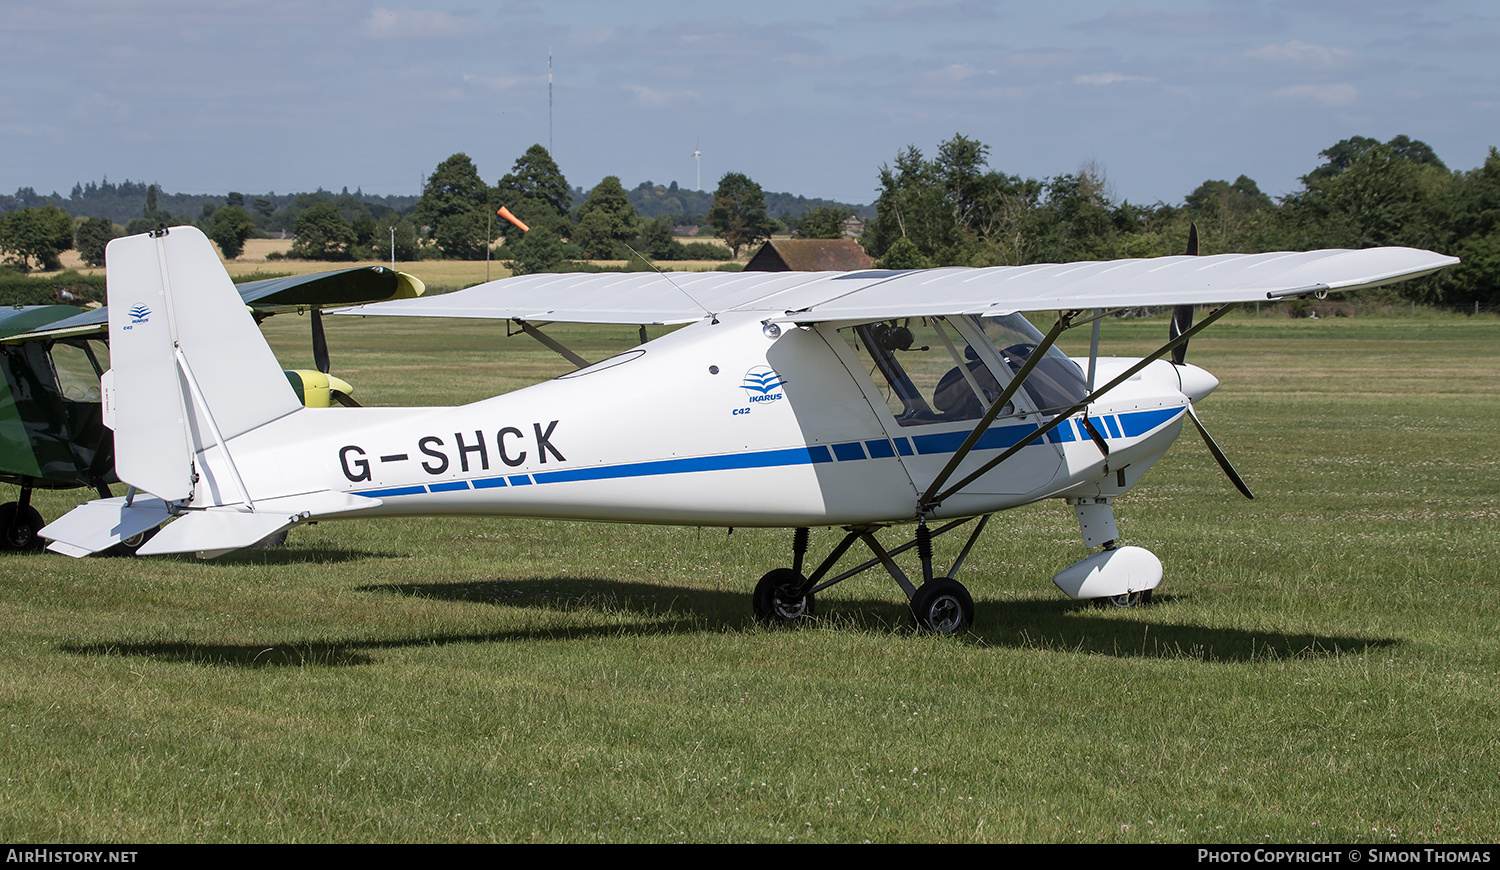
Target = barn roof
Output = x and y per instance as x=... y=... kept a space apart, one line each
x=810 y=255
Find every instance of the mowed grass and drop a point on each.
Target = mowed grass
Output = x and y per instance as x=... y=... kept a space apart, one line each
x=1321 y=664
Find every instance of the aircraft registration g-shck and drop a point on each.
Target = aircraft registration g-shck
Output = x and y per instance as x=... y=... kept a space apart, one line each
x=859 y=400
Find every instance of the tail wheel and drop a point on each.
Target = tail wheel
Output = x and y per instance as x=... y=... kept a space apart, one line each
x=19 y=526
x=128 y=546
x=778 y=597
x=943 y=606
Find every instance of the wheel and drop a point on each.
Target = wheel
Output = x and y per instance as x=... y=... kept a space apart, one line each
x=271 y=541
x=776 y=597
x=943 y=606
x=128 y=546
x=19 y=527
x=1128 y=599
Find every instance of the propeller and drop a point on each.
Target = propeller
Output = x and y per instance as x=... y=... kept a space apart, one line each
x=1213 y=447
x=1182 y=315
x=1182 y=321
x=321 y=360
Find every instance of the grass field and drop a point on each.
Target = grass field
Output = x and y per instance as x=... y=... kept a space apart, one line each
x=438 y=274
x=1320 y=665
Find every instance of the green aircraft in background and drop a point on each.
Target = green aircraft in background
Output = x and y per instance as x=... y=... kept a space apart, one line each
x=52 y=432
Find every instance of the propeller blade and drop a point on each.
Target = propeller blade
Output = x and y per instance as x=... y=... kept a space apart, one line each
x=1182 y=321
x=1182 y=315
x=344 y=399
x=320 y=342
x=1213 y=447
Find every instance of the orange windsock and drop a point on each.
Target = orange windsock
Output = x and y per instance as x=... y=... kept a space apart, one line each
x=505 y=213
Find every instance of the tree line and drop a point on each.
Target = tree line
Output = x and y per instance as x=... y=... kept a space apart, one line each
x=953 y=209
x=948 y=209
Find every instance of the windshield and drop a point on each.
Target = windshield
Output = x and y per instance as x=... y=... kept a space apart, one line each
x=1056 y=383
x=925 y=370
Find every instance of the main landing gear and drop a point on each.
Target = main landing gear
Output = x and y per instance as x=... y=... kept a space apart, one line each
x=19 y=524
x=940 y=605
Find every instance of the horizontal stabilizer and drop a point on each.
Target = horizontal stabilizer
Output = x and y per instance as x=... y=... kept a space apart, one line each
x=99 y=525
x=221 y=530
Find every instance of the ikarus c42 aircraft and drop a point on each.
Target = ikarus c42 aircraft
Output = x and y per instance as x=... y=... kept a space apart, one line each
x=859 y=401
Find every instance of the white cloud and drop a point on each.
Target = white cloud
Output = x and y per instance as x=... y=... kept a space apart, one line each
x=416 y=24
x=1302 y=54
x=1333 y=94
x=1109 y=78
x=957 y=72
x=655 y=99
x=496 y=83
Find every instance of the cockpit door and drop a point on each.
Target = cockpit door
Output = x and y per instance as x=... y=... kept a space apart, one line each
x=929 y=381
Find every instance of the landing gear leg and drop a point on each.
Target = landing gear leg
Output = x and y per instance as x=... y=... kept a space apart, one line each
x=940 y=604
x=784 y=595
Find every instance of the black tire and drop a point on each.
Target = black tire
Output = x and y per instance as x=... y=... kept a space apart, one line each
x=19 y=527
x=128 y=546
x=271 y=541
x=1120 y=602
x=943 y=606
x=777 y=597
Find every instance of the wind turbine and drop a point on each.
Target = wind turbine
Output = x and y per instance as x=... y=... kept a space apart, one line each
x=698 y=159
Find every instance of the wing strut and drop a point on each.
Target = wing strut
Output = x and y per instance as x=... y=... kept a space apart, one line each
x=929 y=501
x=554 y=345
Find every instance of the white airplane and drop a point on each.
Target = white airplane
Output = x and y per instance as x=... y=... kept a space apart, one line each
x=859 y=400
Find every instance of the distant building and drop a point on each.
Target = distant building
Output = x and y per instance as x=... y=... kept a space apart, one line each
x=686 y=230
x=810 y=255
x=854 y=225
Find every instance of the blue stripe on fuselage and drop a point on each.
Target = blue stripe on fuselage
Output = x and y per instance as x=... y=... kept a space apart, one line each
x=1133 y=424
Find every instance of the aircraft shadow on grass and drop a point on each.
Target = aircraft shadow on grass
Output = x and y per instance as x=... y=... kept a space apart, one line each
x=1060 y=626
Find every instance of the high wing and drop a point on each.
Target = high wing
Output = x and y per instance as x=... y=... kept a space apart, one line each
x=271 y=296
x=805 y=297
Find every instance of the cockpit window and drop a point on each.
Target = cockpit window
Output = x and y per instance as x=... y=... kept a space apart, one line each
x=1056 y=383
x=79 y=365
x=921 y=371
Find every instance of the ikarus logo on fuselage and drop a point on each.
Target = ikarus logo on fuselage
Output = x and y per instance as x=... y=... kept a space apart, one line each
x=138 y=314
x=762 y=384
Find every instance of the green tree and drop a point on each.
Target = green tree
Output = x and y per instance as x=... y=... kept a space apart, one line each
x=539 y=250
x=322 y=234
x=1341 y=155
x=454 y=204
x=1473 y=212
x=593 y=234
x=904 y=254
x=954 y=210
x=1379 y=198
x=536 y=192
x=92 y=236
x=393 y=229
x=230 y=227
x=605 y=221
x=738 y=215
x=658 y=242
x=39 y=234
x=823 y=222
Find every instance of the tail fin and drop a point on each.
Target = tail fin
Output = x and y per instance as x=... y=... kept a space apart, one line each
x=190 y=368
x=190 y=372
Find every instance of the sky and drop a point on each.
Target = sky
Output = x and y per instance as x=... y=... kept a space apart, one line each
x=810 y=98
